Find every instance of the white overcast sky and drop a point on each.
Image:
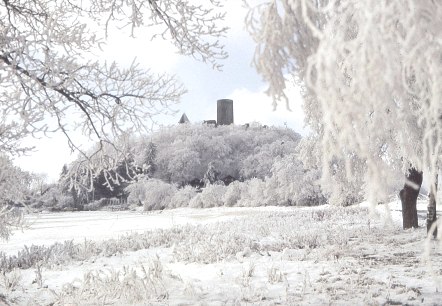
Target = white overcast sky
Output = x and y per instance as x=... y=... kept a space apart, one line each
x=238 y=81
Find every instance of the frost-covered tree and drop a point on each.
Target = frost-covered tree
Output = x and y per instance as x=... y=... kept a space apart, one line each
x=211 y=175
x=52 y=82
x=147 y=159
x=14 y=186
x=338 y=188
x=375 y=73
x=292 y=184
x=286 y=34
x=184 y=152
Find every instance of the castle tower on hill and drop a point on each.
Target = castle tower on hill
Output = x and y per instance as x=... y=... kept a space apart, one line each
x=225 y=112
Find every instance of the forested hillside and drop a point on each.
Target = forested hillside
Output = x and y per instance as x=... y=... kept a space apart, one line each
x=194 y=165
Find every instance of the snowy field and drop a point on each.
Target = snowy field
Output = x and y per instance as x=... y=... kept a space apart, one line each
x=48 y=228
x=221 y=256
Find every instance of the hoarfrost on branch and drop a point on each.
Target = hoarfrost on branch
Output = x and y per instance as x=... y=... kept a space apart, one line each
x=371 y=72
x=45 y=72
x=50 y=80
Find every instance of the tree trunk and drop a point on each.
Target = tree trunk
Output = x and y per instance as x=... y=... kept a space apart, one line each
x=408 y=195
x=431 y=214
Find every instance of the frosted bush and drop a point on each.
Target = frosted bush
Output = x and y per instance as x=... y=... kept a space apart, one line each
x=158 y=195
x=196 y=202
x=66 y=202
x=212 y=196
x=183 y=197
x=95 y=205
x=311 y=192
x=128 y=286
x=153 y=194
x=136 y=193
x=10 y=217
x=291 y=184
x=10 y=280
x=234 y=193
x=253 y=194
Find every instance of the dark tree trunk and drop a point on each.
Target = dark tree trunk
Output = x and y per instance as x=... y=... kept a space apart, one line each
x=408 y=195
x=431 y=214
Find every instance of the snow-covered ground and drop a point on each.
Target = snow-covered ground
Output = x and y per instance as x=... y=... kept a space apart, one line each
x=48 y=228
x=225 y=256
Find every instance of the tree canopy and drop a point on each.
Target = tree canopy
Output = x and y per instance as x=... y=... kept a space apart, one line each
x=183 y=154
x=51 y=80
x=370 y=72
x=48 y=69
x=14 y=186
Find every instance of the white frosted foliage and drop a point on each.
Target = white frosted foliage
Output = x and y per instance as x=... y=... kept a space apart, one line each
x=52 y=77
x=14 y=185
x=370 y=72
x=377 y=74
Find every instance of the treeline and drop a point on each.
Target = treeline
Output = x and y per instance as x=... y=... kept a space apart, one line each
x=193 y=165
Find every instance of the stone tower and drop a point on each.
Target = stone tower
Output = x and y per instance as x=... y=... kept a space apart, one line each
x=225 y=112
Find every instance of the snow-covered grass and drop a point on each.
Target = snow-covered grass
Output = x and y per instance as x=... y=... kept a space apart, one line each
x=265 y=256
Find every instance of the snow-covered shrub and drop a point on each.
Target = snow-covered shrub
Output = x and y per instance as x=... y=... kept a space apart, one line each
x=183 y=197
x=10 y=280
x=128 y=286
x=96 y=205
x=65 y=202
x=196 y=201
x=136 y=193
x=233 y=193
x=153 y=194
x=211 y=196
x=253 y=194
x=311 y=192
x=291 y=184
